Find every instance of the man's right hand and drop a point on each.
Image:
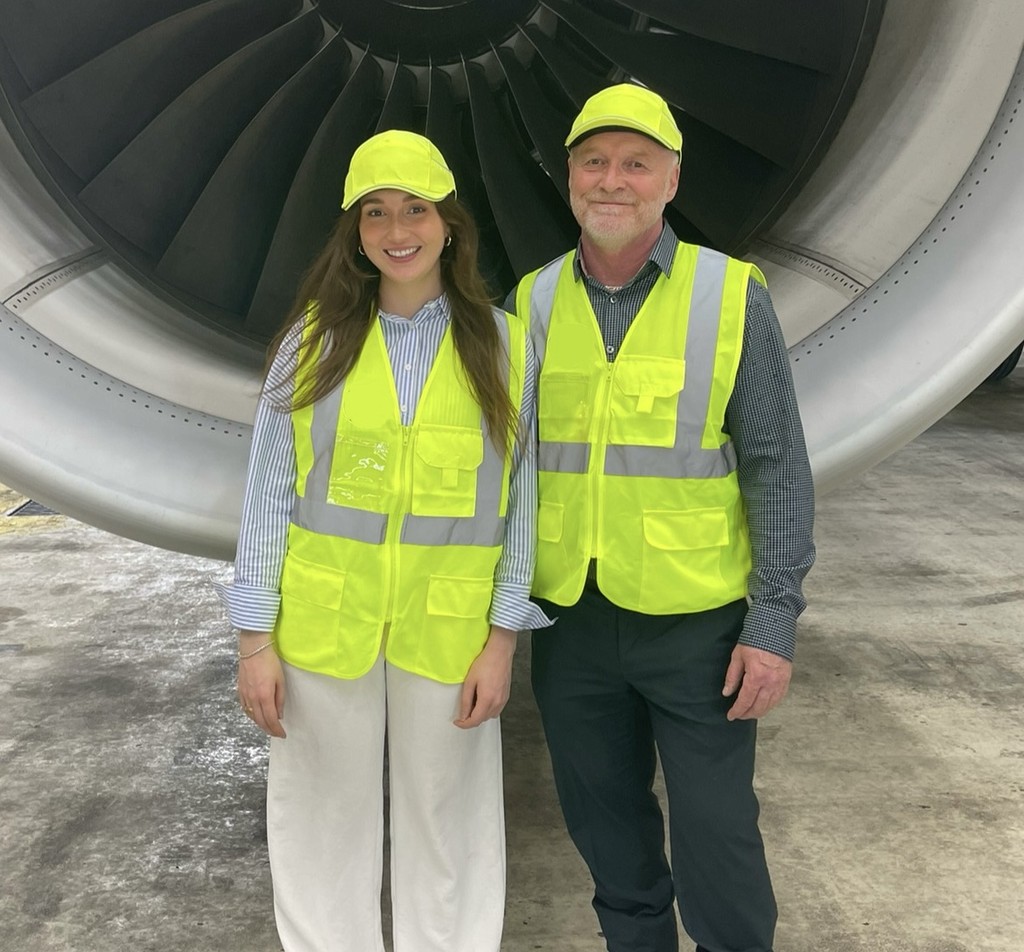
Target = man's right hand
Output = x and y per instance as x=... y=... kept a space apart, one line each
x=762 y=679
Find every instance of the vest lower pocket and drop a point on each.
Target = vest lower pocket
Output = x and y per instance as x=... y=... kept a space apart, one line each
x=686 y=529
x=681 y=559
x=459 y=597
x=310 y=617
x=314 y=584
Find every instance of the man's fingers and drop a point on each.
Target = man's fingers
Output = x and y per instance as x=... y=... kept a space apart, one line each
x=768 y=699
x=762 y=679
x=755 y=702
x=745 y=702
x=733 y=676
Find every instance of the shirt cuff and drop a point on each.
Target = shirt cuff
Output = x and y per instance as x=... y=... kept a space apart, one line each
x=250 y=608
x=511 y=608
x=771 y=630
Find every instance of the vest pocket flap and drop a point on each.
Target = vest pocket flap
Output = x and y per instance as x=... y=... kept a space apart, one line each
x=649 y=376
x=315 y=584
x=450 y=447
x=459 y=597
x=686 y=529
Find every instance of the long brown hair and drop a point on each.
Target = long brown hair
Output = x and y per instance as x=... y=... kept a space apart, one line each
x=344 y=286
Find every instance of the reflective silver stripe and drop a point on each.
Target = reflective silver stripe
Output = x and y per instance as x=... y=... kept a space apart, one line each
x=309 y=509
x=563 y=457
x=343 y=521
x=442 y=530
x=672 y=462
x=701 y=339
x=542 y=297
x=489 y=476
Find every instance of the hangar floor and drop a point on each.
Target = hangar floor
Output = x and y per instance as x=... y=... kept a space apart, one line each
x=892 y=779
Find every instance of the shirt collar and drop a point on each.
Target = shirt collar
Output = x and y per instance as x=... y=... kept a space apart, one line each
x=662 y=255
x=437 y=309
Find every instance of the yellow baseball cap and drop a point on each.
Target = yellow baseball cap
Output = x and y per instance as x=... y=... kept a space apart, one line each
x=398 y=159
x=627 y=106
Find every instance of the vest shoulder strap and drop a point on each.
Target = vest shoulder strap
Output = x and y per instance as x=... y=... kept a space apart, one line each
x=535 y=296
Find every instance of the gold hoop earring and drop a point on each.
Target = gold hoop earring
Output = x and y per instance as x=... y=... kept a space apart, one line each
x=448 y=241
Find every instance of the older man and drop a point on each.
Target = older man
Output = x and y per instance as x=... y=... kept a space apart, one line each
x=676 y=509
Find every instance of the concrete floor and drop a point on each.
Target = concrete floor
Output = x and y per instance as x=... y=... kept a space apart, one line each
x=892 y=779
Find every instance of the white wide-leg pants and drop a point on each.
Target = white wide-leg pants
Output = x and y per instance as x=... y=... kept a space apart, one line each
x=325 y=820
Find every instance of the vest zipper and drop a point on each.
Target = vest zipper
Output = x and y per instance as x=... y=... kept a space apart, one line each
x=597 y=463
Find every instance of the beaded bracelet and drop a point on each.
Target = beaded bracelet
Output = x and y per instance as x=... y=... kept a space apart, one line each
x=242 y=657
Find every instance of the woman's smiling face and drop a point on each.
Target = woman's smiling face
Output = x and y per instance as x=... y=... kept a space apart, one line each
x=403 y=235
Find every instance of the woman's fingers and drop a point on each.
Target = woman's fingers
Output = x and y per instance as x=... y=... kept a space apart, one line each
x=261 y=691
x=468 y=712
x=266 y=717
x=482 y=698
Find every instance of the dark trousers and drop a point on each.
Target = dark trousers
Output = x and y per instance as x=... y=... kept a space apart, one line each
x=612 y=686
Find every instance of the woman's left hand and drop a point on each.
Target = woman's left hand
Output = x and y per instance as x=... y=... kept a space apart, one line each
x=486 y=688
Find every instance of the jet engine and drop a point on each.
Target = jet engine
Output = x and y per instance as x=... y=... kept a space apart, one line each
x=169 y=168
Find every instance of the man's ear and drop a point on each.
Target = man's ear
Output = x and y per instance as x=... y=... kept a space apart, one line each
x=673 y=185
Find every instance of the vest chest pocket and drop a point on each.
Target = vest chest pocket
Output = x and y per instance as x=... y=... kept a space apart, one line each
x=645 y=401
x=564 y=406
x=444 y=469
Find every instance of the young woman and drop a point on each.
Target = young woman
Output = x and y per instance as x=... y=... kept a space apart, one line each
x=383 y=569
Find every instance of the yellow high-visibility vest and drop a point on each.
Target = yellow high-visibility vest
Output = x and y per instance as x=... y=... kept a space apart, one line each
x=635 y=467
x=396 y=524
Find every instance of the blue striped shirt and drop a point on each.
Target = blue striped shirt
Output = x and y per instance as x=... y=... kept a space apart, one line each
x=763 y=420
x=253 y=599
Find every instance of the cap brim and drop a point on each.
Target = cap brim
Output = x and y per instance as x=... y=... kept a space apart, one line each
x=617 y=124
x=434 y=196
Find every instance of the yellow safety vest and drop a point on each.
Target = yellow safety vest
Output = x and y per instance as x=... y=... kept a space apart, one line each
x=393 y=523
x=635 y=467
